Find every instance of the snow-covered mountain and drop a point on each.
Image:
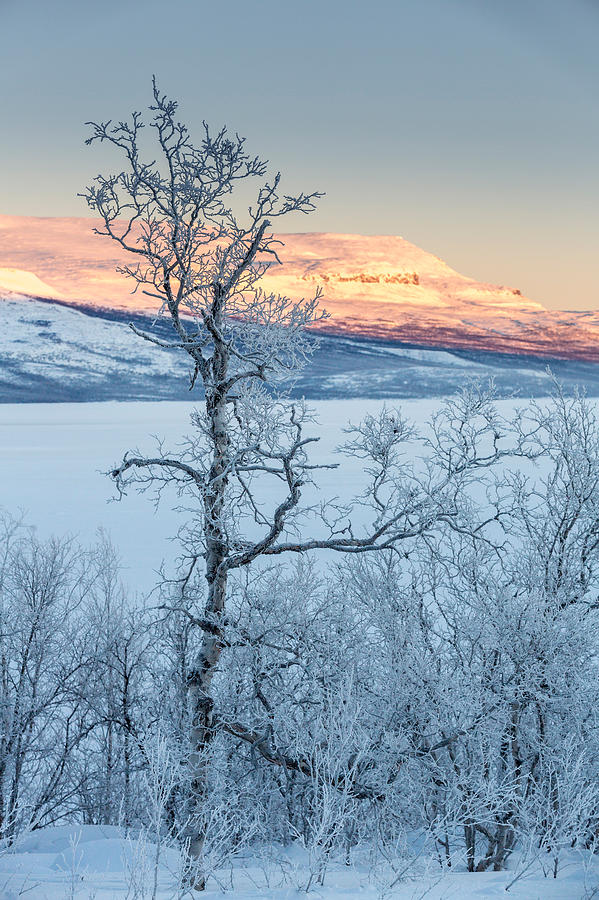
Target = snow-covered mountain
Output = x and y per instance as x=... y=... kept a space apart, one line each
x=380 y=287
x=50 y=351
x=402 y=322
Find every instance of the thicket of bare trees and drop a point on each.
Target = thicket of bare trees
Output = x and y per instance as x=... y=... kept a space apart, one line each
x=443 y=690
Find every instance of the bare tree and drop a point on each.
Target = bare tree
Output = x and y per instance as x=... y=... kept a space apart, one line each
x=45 y=653
x=194 y=252
x=118 y=696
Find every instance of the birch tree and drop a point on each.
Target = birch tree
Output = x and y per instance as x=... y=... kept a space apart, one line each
x=200 y=256
x=45 y=654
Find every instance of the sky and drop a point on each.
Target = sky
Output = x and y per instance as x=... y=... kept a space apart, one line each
x=469 y=127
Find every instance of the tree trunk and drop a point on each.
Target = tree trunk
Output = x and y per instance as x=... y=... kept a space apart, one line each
x=470 y=842
x=201 y=677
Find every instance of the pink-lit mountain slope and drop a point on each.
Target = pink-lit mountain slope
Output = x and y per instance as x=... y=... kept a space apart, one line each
x=374 y=286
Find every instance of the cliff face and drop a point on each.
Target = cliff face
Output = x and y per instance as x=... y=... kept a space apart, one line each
x=374 y=286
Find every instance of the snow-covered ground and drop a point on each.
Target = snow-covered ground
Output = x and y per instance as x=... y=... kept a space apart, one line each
x=100 y=863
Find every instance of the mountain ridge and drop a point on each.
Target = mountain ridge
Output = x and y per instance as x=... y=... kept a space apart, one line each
x=379 y=287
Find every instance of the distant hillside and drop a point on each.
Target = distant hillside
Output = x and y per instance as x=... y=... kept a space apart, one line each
x=52 y=352
x=380 y=287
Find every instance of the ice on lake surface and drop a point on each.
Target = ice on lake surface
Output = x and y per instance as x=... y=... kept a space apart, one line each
x=54 y=458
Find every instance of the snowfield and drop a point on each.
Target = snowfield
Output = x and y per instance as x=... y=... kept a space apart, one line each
x=101 y=863
x=50 y=352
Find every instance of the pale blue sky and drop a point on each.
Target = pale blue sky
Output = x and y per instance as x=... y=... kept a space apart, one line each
x=470 y=128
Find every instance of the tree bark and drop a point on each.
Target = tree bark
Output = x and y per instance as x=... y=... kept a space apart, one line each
x=201 y=677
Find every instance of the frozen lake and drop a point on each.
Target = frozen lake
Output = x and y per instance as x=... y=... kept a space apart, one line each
x=53 y=458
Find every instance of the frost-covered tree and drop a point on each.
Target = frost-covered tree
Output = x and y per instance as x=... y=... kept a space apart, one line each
x=200 y=255
x=47 y=661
